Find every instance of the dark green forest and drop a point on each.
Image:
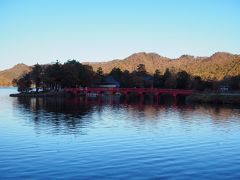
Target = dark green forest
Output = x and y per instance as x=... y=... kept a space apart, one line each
x=57 y=76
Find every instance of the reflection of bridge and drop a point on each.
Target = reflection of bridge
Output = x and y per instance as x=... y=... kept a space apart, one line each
x=126 y=91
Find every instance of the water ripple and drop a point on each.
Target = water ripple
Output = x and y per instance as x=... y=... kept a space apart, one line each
x=64 y=139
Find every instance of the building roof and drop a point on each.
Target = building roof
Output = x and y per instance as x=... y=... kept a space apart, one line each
x=111 y=80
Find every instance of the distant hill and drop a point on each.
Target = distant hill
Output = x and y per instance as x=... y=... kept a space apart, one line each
x=217 y=66
x=6 y=76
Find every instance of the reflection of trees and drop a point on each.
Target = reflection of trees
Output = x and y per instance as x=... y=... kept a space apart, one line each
x=218 y=114
x=58 y=114
x=75 y=115
x=221 y=114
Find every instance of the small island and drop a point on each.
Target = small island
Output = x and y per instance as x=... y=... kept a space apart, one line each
x=53 y=80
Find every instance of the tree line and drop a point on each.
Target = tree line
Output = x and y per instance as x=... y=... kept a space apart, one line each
x=56 y=76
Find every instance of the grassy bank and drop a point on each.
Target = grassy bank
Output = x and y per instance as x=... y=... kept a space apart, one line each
x=215 y=98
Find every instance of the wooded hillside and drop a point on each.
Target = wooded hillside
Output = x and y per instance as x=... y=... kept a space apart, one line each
x=215 y=67
x=7 y=76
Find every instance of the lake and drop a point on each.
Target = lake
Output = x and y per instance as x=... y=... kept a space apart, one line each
x=74 y=139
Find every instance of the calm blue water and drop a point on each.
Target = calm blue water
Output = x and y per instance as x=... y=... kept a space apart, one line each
x=70 y=139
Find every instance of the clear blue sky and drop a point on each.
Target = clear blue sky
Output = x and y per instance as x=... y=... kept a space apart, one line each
x=42 y=31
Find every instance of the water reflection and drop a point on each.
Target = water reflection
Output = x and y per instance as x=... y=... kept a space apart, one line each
x=63 y=115
x=72 y=115
x=46 y=138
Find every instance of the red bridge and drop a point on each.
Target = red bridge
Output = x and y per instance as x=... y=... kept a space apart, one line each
x=126 y=91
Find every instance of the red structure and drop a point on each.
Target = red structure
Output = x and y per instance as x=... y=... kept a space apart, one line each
x=126 y=91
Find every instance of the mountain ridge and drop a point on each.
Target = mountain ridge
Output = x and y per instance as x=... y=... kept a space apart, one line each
x=7 y=75
x=215 y=67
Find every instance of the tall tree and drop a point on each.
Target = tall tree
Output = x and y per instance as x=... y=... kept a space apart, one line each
x=100 y=75
x=183 y=79
x=141 y=69
x=53 y=76
x=99 y=71
x=71 y=70
x=87 y=76
x=23 y=83
x=116 y=73
x=168 y=79
x=197 y=83
x=157 y=79
x=36 y=76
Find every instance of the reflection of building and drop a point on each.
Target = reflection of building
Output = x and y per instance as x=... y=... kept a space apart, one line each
x=223 y=88
x=109 y=82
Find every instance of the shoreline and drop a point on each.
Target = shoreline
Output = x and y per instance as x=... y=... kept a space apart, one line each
x=41 y=94
x=208 y=98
